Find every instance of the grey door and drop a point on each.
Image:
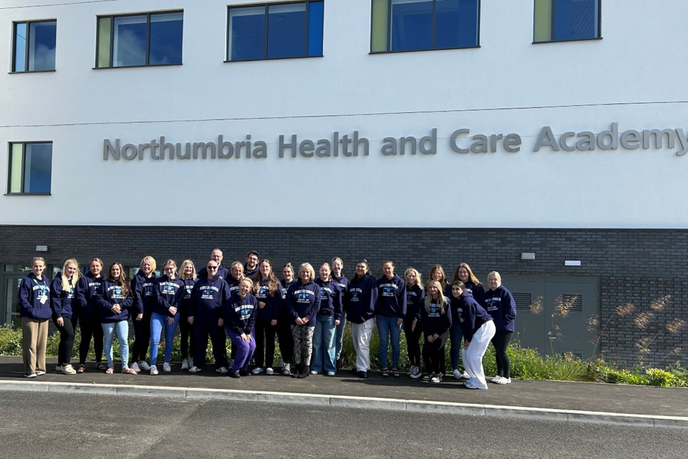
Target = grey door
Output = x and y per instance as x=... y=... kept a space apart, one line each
x=9 y=306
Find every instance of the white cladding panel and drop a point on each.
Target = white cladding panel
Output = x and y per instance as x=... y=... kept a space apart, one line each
x=634 y=76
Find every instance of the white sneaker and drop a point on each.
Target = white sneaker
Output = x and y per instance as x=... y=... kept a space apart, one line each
x=144 y=366
x=154 y=370
x=222 y=370
x=68 y=369
x=135 y=366
x=286 y=369
x=166 y=368
x=503 y=380
x=257 y=370
x=435 y=379
x=313 y=372
x=495 y=379
x=457 y=374
x=269 y=371
x=330 y=373
x=411 y=370
x=185 y=364
x=191 y=362
x=194 y=369
x=464 y=375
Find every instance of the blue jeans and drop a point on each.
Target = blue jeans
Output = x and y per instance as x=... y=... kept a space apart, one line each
x=323 y=344
x=122 y=330
x=386 y=327
x=158 y=321
x=455 y=351
x=339 y=339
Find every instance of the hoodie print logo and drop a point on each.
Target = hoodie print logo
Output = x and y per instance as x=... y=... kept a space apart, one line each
x=42 y=294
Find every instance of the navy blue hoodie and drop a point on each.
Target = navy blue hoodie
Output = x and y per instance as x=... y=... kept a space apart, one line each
x=233 y=284
x=240 y=313
x=34 y=298
x=502 y=307
x=330 y=299
x=414 y=301
x=391 y=297
x=208 y=299
x=284 y=314
x=88 y=290
x=470 y=314
x=343 y=284
x=222 y=272
x=433 y=321
x=360 y=299
x=63 y=302
x=145 y=292
x=112 y=294
x=303 y=300
x=478 y=292
x=273 y=303
x=251 y=272
x=185 y=305
x=170 y=293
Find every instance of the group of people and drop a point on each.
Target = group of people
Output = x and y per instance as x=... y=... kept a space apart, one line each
x=247 y=303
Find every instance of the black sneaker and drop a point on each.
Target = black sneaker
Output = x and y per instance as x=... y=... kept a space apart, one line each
x=234 y=374
x=362 y=374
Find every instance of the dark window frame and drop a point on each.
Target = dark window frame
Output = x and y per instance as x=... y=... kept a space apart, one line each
x=148 y=30
x=434 y=31
x=266 y=6
x=27 y=46
x=23 y=169
x=568 y=40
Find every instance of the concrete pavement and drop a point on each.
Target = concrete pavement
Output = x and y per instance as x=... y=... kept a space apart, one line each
x=554 y=400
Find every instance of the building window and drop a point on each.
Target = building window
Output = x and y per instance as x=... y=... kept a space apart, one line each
x=275 y=31
x=30 y=168
x=566 y=20
x=34 y=46
x=140 y=40
x=412 y=25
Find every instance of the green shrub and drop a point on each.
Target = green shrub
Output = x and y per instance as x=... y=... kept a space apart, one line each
x=661 y=378
x=10 y=340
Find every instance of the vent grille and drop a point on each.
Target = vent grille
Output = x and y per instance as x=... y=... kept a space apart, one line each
x=576 y=301
x=523 y=300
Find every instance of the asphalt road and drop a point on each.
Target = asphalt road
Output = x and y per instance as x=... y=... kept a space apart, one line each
x=84 y=426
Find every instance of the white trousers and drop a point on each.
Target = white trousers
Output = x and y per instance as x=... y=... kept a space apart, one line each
x=473 y=355
x=361 y=335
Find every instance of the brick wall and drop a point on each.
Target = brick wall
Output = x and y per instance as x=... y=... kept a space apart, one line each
x=634 y=266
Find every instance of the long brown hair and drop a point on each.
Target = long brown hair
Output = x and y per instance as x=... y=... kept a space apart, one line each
x=121 y=280
x=471 y=276
x=272 y=280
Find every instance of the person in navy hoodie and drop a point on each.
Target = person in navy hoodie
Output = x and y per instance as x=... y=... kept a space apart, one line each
x=268 y=292
x=239 y=319
x=251 y=265
x=144 y=288
x=500 y=304
x=34 y=309
x=115 y=305
x=360 y=300
x=89 y=288
x=303 y=303
x=436 y=320
x=188 y=276
x=326 y=322
x=390 y=310
x=412 y=327
x=165 y=315
x=465 y=274
x=64 y=304
x=222 y=272
x=208 y=300
x=286 y=339
x=478 y=329
x=342 y=282
x=236 y=274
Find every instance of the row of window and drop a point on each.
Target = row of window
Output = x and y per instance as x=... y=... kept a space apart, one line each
x=30 y=168
x=287 y=30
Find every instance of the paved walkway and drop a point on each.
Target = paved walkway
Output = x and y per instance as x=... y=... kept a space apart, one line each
x=590 y=402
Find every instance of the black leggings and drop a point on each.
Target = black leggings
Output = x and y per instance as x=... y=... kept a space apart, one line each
x=187 y=331
x=412 y=341
x=265 y=343
x=64 y=349
x=90 y=328
x=141 y=337
x=501 y=342
x=286 y=339
x=433 y=352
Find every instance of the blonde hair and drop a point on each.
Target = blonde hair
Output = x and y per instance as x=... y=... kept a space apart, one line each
x=248 y=281
x=183 y=266
x=328 y=267
x=308 y=267
x=35 y=259
x=151 y=261
x=171 y=262
x=441 y=299
x=419 y=282
x=75 y=278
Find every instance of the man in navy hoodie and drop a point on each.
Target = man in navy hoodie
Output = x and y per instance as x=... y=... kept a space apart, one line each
x=222 y=271
x=252 y=263
x=208 y=299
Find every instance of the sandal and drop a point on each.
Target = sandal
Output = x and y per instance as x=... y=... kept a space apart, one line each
x=81 y=368
x=101 y=366
x=395 y=372
x=385 y=373
x=110 y=370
